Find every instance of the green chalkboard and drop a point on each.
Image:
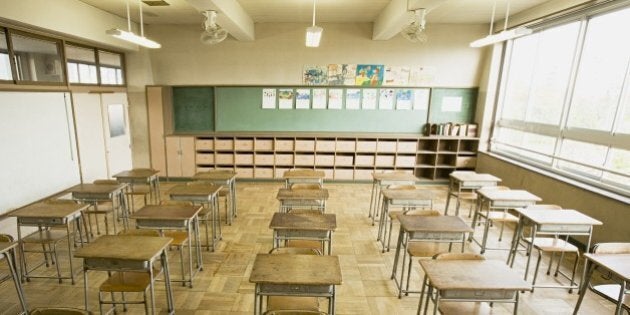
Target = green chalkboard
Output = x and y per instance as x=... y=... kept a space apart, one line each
x=456 y=105
x=193 y=109
x=240 y=109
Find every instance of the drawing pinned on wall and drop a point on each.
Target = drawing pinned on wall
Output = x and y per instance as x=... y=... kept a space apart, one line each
x=335 y=98
x=421 y=99
x=369 y=75
x=353 y=99
x=319 y=98
x=335 y=74
x=386 y=99
x=369 y=99
x=285 y=98
x=349 y=72
x=396 y=75
x=315 y=75
x=403 y=99
x=302 y=98
x=422 y=76
x=269 y=98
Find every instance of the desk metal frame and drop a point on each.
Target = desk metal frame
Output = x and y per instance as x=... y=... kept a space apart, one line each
x=461 y=181
x=617 y=264
x=94 y=193
x=302 y=198
x=406 y=199
x=317 y=227
x=381 y=180
x=303 y=176
x=143 y=176
x=226 y=178
x=204 y=195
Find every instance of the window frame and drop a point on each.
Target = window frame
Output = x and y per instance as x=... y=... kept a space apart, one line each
x=60 y=50
x=94 y=50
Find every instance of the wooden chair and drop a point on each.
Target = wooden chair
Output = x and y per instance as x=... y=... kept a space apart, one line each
x=139 y=189
x=494 y=216
x=610 y=291
x=205 y=216
x=103 y=208
x=452 y=308
x=391 y=215
x=456 y=191
x=58 y=311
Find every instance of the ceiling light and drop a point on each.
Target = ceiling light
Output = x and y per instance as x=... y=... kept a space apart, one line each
x=314 y=32
x=505 y=34
x=131 y=36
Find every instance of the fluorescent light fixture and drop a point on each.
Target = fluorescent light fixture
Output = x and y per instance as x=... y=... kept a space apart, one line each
x=133 y=38
x=313 y=36
x=501 y=37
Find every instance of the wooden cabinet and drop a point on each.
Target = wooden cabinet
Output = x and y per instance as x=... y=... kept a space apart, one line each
x=180 y=156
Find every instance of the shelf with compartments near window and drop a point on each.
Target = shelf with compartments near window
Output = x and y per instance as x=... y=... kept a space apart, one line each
x=339 y=156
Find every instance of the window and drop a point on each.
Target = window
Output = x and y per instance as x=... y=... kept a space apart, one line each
x=81 y=65
x=564 y=103
x=111 y=68
x=5 y=61
x=37 y=59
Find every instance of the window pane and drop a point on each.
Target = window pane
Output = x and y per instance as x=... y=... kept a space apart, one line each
x=601 y=71
x=583 y=152
x=619 y=161
x=526 y=143
x=539 y=74
x=110 y=64
x=37 y=59
x=73 y=72
x=85 y=60
x=624 y=124
x=5 y=65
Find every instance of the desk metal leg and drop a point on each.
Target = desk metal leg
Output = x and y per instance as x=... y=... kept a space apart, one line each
x=167 y=284
x=372 y=197
x=69 y=253
x=85 y=285
x=16 y=280
x=589 y=267
x=397 y=253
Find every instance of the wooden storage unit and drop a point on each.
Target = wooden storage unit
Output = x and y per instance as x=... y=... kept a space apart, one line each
x=244 y=159
x=204 y=144
x=304 y=160
x=263 y=172
x=244 y=172
x=384 y=160
x=263 y=144
x=244 y=144
x=364 y=160
x=329 y=173
x=405 y=161
x=325 y=145
x=324 y=160
x=344 y=173
x=344 y=160
x=363 y=174
x=224 y=158
x=205 y=159
x=345 y=145
x=284 y=159
x=224 y=144
x=304 y=145
x=264 y=159
x=388 y=146
x=283 y=145
x=405 y=146
x=366 y=145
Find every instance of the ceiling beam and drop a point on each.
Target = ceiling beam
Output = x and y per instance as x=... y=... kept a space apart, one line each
x=395 y=16
x=232 y=17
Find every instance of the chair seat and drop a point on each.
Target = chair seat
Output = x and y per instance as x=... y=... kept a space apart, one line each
x=48 y=236
x=500 y=216
x=551 y=244
x=275 y=303
x=611 y=292
x=128 y=281
x=179 y=237
x=468 y=308
x=423 y=249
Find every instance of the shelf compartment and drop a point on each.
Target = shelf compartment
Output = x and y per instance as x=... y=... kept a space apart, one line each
x=469 y=162
x=284 y=145
x=426 y=160
x=384 y=160
x=263 y=172
x=446 y=160
x=366 y=146
x=324 y=160
x=284 y=159
x=468 y=147
x=244 y=144
x=224 y=158
x=447 y=145
x=279 y=171
x=328 y=172
x=363 y=174
x=427 y=145
x=203 y=168
x=364 y=160
x=325 y=145
x=224 y=144
x=405 y=146
x=304 y=159
x=387 y=146
x=204 y=144
x=425 y=173
x=345 y=145
x=405 y=160
x=442 y=173
x=263 y=144
x=344 y=160
x=204 y=158
x=304 y=145
x=245 y=172
x=344 y=173
x=263 y=159
x=244 y=159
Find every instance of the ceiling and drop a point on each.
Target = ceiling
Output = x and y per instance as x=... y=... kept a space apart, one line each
x=328 y=11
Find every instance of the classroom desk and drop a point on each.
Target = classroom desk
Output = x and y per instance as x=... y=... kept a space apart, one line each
x=177 y=217
x=566 y=222
x=409 y=199
x=128 y=253
x=142 y=176
x=309 y=198
x=383 y=179
x=438 y=229
x=295 y=275
x=95 y=193
x=203 y=194
x=7 y=250
x=288 y=226
x=499 y=199
x=471 y=281
x=226 y=178
x=303 y=176
x=467 y=181
x=617 y=264
x=48 y=215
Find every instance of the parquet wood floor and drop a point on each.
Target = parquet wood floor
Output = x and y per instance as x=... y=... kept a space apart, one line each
x=223 y=287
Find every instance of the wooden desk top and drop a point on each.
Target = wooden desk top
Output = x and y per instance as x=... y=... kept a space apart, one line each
x=167 y=212
x=407 y=194
x=137 y=174
x=49 y=210
x=195 y=190
x=296 y=269
x=473 y=275
x=216 y=175
x=394 y=176
x=474 y=177
x=619 y=264
x=508 y=195
x=124 y=247
x=302 y=194
x=95 y=189
x=311 y=222
x=308 y=174
x=417 y=223
x=563 y=217
x=7 y=246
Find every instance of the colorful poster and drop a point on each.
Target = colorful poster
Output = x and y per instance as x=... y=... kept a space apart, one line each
x=422 y=76
x=335 y=97
x=403 y=99
x=285 y=98
x=302 y=98
x=369 y=98
x=269 y=98
x=369 y=75
x=353 y=99
x=421 y=99
x=319 y=98
x=396 y=75
x=386 y=99
x=335 y=74
x=349 y=72
x=315 y=75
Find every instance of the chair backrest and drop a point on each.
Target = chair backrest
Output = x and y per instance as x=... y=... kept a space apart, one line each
x=458 y=256
x=294 y=251
x=6 y=238
x=544 y=207
x=139 y=232
x=611 y=248
x=58 y=311
x=175 y=203
x=105 y=182
x=426 y=213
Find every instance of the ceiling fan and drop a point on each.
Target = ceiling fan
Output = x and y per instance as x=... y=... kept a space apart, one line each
x=414 y=31
x=212 y=33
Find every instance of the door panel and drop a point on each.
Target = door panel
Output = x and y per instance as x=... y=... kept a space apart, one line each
x=116 y=130
x=90 y=136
